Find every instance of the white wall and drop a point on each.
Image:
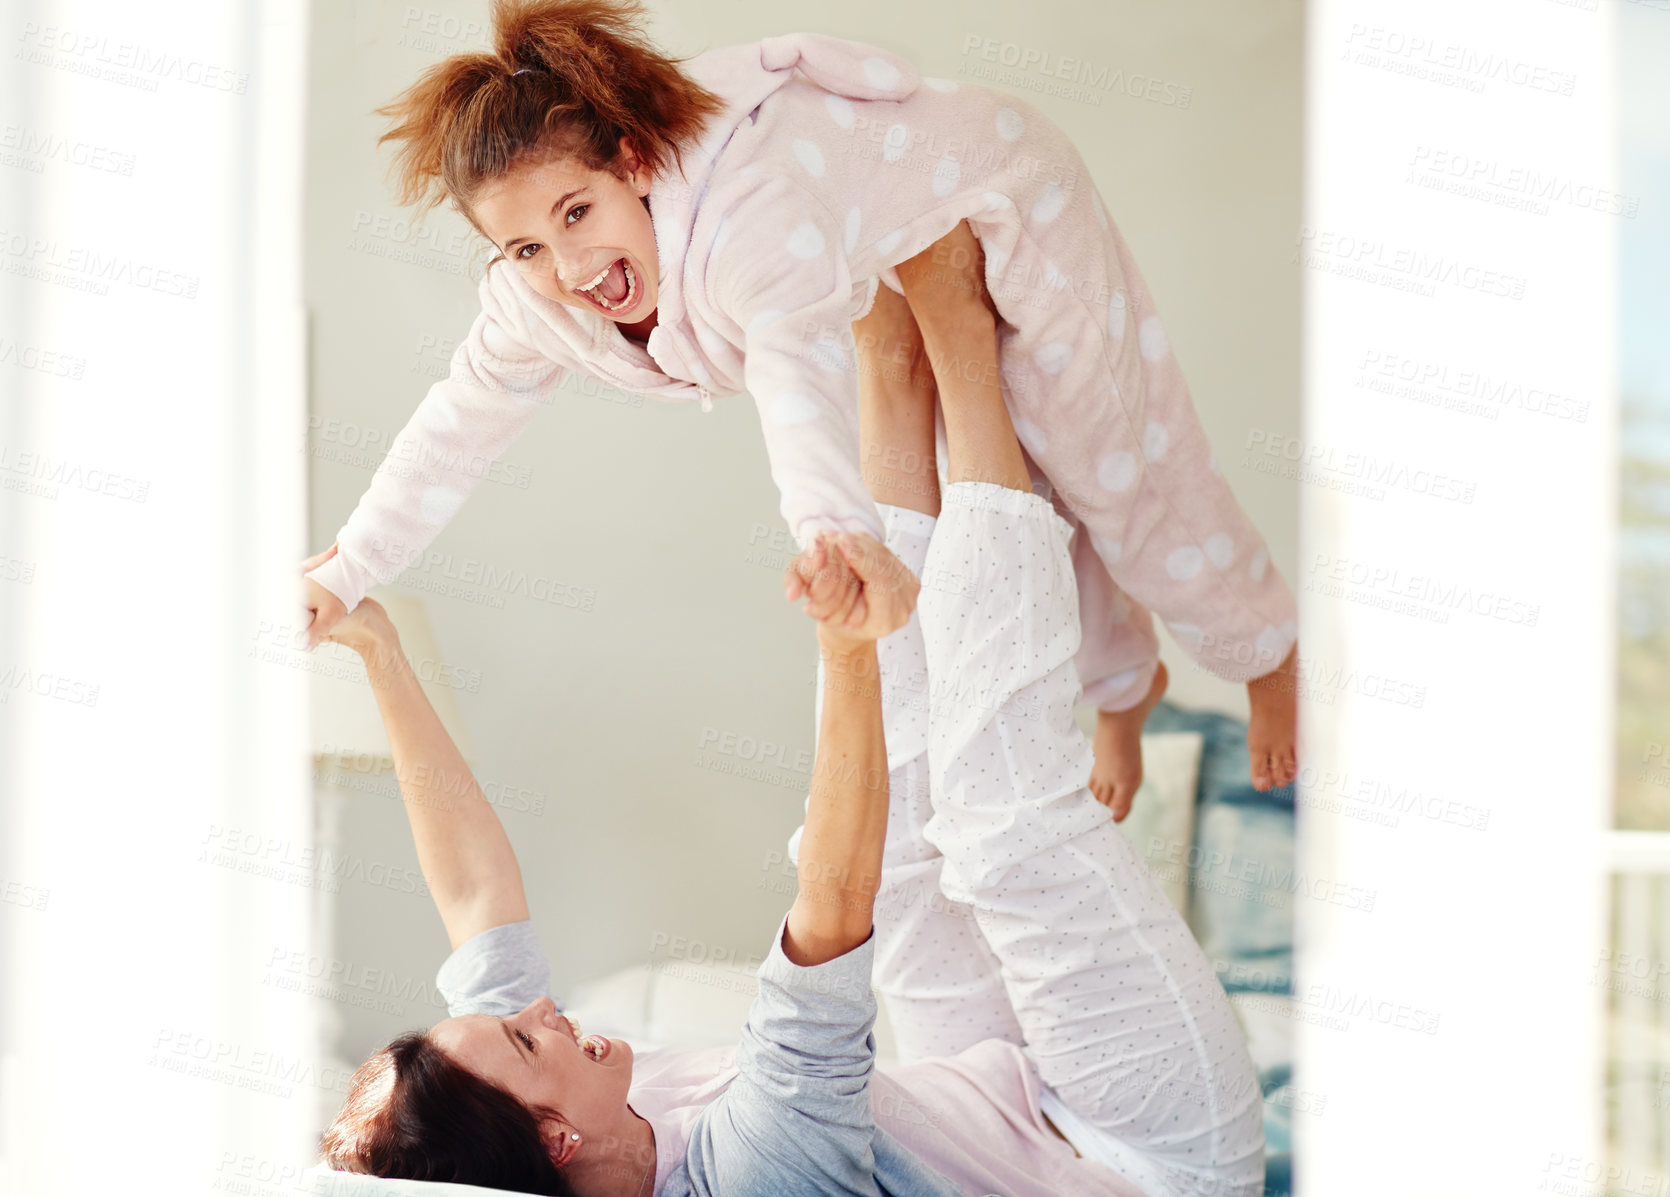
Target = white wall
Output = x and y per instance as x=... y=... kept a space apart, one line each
x=655 y=511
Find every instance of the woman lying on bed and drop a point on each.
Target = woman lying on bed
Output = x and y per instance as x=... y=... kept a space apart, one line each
x=1036 y=976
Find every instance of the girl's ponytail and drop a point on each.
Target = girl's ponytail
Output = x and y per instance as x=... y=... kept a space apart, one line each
x=566 y=77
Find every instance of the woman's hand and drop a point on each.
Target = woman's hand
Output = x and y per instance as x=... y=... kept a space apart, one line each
x=855 y=588
x=324 y=607
x=367 y=630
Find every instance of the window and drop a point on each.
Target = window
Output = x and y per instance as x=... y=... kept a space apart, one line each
x=1635 y=968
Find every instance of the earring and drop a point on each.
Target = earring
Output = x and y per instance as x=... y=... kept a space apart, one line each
x=575 y=1136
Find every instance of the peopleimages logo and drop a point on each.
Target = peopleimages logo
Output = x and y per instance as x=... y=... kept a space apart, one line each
x=118 y=61
x=1369 y=581
x=1404 y=267
x=1451 y=64
x=86 y=268
x=899 y=144
x=22 y=145
x=1032 y=68
x=19 y=679
x=1470 y=390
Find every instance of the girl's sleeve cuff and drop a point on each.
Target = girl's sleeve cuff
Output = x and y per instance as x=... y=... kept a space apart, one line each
x=342 y=578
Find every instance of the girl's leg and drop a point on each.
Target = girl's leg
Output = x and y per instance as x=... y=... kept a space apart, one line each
x=1105 y=415
x=1121 y=1012
x=945 y=285
x=938 y=976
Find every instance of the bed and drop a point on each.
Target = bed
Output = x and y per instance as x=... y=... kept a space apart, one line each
x=1223 y=851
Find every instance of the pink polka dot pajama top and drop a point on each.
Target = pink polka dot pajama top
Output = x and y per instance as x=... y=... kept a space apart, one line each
x=833 y=162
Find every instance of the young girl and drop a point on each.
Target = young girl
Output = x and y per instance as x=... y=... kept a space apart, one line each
x=693 y=232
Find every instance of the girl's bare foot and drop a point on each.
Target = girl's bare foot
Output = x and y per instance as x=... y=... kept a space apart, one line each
x=1118 y=747
x=1272 y=729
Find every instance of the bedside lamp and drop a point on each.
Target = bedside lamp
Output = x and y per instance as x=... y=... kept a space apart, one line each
x=347 y=729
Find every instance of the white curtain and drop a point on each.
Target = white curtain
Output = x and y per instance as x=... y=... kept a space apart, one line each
x=156 y=818
x=1457 y=591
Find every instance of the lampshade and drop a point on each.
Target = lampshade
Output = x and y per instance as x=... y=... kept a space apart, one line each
x=345 y=717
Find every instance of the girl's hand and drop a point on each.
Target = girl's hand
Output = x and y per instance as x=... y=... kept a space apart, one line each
x=856 y=589
x=367 y=630
x=833 y=593
x=324 y=608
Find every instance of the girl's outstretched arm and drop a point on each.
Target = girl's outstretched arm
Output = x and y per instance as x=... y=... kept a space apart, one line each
x=793 y=307
x=462 y=848
x=451 y=443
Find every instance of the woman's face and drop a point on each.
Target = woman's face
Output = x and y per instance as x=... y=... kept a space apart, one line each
x=536 y=1057
x=580 y=237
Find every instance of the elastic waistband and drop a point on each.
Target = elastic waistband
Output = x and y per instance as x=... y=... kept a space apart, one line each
x=989 y=496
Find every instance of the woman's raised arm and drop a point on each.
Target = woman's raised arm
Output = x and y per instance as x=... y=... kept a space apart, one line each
x=846 y=813
x=461 y=845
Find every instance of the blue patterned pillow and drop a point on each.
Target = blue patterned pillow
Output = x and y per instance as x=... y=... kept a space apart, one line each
x=1241 y=873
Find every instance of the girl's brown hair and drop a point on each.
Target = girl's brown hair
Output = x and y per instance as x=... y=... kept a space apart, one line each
x=566 y=77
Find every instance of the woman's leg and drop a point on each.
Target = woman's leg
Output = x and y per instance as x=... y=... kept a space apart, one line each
x=945 y=289
x=1120 y=1010
x=896 y=397
x=938 y=976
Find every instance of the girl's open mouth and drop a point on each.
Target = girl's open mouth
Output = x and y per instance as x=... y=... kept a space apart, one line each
x=615 y=289
x=595 y=1046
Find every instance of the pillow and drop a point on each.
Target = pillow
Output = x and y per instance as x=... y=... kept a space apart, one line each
x=1161 y=823
x=688 y=1006
x=320 y=1181
x=1242 y=868
x=1162 y=819
x=1244 y=883
x=670 y=1003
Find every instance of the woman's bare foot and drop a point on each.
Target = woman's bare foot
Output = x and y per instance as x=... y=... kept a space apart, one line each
x=1118 y=747
x=1272 y=729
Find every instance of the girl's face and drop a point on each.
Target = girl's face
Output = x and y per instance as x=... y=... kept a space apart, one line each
x=535 y=1056
x=580 y=237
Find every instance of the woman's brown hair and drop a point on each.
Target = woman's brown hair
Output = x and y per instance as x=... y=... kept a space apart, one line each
x=566 y=77
x=414 y=1114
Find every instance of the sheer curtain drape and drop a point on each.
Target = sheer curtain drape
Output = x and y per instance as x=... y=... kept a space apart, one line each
x=154 y=798
x=1449 y=296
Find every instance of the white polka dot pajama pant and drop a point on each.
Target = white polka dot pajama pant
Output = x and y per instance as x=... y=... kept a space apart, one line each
x=1011 y=907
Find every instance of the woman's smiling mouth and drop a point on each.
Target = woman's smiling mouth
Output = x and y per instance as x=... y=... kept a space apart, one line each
x=617 y=279
x=595 y=1048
